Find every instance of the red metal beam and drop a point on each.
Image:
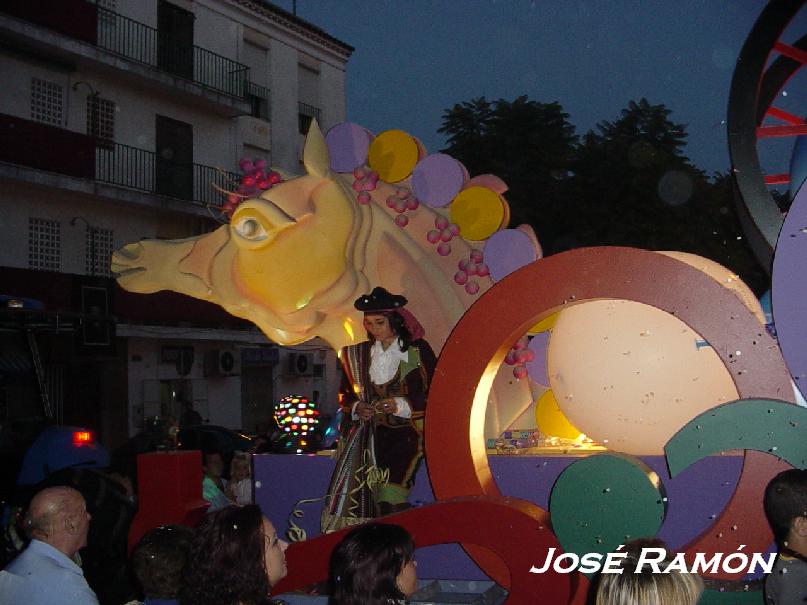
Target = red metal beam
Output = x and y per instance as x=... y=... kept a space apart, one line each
x=794 y=130
x=777 y=179
x=791 y=52
x=783 y=115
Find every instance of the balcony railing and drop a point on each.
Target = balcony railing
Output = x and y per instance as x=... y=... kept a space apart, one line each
x=144 y=44
x=145 y=171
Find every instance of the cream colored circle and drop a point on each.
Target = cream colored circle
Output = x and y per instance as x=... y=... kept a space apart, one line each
x=630 y=376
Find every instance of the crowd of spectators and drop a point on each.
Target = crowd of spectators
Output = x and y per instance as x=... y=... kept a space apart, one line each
x=234 y=556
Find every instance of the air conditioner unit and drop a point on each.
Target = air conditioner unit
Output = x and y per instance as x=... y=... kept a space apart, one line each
x=221 y=362
x=299 y=364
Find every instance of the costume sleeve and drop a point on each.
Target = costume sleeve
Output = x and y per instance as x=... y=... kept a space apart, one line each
x=347 y=394
x=418 y=380
x=404 y=411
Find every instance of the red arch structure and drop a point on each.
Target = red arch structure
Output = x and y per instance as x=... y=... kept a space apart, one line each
x=509 y=530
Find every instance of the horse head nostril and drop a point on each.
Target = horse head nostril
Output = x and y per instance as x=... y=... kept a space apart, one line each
x=130 y=251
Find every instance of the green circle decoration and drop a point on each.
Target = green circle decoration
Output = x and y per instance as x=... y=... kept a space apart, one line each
x=615 y=499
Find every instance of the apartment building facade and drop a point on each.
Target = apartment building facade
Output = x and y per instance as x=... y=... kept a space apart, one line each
x=121 y=120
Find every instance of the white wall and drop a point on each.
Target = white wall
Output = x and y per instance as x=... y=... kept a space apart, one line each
x=283 y=71
x=332 y=95
x=224 y=401
x=215 y=31
x=21 y=202
x=217 y=399
x=144 y=11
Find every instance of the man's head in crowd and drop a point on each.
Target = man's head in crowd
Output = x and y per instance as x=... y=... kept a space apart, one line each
x=786 y=509
x=58 y=516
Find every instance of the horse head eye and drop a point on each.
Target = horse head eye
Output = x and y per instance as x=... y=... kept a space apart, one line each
x=250 y=228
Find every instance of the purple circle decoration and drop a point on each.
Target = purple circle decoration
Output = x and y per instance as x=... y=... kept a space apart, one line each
x=537 y=367
x=508 y=250
x=789 y=290
x=348 y=145
x=437 y=179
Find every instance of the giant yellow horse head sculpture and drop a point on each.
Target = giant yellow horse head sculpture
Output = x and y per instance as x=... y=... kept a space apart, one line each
x=293 y=260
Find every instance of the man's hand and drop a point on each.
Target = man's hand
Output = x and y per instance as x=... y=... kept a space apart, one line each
x=387 y=406
x=364 y=410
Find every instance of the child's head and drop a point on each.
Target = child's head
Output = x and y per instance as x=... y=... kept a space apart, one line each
x=786 y=504
x=239 y=467
x=636 y=584
x=212 y=464
x=159 y=558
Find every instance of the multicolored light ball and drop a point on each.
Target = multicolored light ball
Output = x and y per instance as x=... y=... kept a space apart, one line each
x=296 y=410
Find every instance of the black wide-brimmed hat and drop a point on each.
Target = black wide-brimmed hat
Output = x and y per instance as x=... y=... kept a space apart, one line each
x=379 y=300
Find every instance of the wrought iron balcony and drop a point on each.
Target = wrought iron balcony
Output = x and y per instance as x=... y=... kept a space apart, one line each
x=139 y=42
x=145 y=171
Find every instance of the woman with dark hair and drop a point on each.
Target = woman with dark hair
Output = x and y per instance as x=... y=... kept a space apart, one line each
x=373 y=565
x=235 y=559
x=383 y=398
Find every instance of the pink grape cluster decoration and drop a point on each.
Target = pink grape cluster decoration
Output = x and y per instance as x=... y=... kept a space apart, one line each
x=255 y=178
x=519 y=355
x=442 y=234
x=470 y=267
x=401 y=201
x=364 y=181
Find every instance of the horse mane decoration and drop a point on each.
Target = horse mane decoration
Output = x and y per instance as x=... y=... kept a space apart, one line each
x=369 y=211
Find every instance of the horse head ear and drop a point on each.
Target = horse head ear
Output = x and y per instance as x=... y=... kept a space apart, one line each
x=316 y=159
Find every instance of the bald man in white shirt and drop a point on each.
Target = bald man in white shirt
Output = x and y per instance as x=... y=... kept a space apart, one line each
x=46 y=572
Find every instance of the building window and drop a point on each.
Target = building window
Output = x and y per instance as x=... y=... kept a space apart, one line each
x=44 y=244
x=258 y=97
x=98 y=252
x=308 y=97
x=305 y=115
x=101 y=118
x=46 y=102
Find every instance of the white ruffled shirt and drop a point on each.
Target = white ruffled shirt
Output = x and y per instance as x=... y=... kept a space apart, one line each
x=383 y=366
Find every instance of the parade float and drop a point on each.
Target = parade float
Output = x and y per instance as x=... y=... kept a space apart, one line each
x=579 y=401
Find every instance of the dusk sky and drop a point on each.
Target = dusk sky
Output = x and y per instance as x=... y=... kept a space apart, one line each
x=414 y=59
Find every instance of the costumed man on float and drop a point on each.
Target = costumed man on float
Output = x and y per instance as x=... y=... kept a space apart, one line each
x=383 y=398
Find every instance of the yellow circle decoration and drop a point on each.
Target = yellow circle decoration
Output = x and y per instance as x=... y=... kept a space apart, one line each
x=393 y=155
x=547 y=323
x=551 y=420
x=478 y=211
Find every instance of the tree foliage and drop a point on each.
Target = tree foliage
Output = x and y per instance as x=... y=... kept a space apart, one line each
x=627 y=182
x=530 y=145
